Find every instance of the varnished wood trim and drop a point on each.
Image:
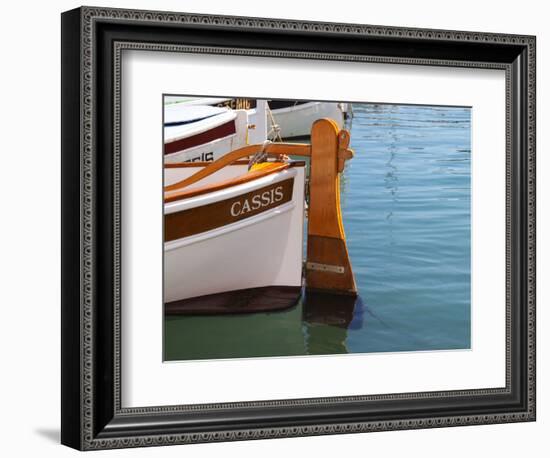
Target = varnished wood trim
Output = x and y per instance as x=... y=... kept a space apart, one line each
x=326 y=237
x=264 y=299
x=329 y=251
x=272 y=149
x=220 y=131
x=245 y=178
x=183 y=165
x=325 y=218
x=292 y=164
x=217 y=214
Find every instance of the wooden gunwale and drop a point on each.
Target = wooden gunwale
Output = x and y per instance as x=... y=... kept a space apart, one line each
x=272 y=149
x=254 y=175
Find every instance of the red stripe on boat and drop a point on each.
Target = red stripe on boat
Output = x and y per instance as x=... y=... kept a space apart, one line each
x=205 y=137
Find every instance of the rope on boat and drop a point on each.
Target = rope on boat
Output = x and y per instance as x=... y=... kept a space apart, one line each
x=275 y=131
x=260 y=156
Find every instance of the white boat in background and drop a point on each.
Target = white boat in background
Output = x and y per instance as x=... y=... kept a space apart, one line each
x=213 y=101
x=235 y=232
x=257 y=122
x=294 y=118
x=204 y=133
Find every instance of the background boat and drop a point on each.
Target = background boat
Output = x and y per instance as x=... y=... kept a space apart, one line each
x=202 y=133
x=195 y=131
x=294 y=118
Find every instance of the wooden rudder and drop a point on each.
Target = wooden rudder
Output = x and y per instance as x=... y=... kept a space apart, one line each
x=328 y=266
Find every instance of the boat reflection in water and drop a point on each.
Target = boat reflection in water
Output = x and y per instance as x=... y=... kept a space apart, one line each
x=331 y=309
x=317 y=325
x=327 y=318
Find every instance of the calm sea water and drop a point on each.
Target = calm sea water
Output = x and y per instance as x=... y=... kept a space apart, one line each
x=406 y=209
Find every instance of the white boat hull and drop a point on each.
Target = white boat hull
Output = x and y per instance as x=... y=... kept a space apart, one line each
x=259 y=251
x=296 y=121
x=209 y=150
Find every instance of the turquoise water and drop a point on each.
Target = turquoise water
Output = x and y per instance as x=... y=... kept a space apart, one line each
x=406 y=210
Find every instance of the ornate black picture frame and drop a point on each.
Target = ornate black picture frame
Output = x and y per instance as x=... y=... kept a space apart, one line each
x=92 y=42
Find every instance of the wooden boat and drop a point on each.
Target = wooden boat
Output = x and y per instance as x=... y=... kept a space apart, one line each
x=240 y=231
x=294 y=118
x=234 y=236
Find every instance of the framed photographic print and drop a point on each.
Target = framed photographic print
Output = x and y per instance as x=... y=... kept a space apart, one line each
x=279 y=228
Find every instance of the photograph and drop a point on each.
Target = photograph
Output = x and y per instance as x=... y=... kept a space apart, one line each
x=308 y=227
x=276 y=228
